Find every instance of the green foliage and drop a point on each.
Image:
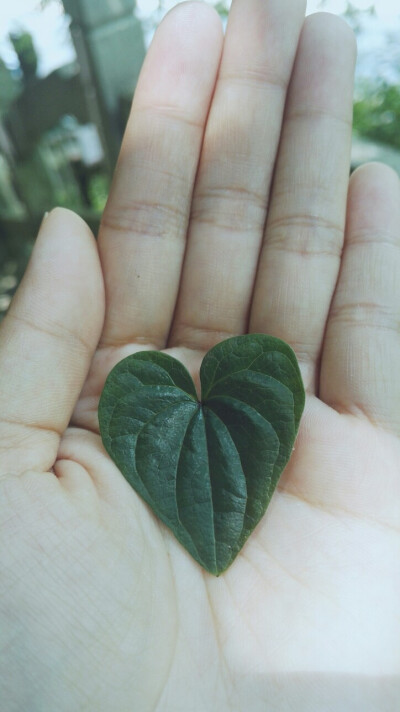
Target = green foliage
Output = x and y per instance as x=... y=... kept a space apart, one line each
x=9 y=88
x=209 y=469
x=43 y=4
x=99 y=186
x=377 y=102
x=377 y=112
x=355 y=16
x=223 y=8
x=27 y=57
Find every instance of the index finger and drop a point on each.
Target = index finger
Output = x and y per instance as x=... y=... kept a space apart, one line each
x=143 y=232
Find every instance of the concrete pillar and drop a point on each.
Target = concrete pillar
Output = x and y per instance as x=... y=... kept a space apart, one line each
x=109 y=43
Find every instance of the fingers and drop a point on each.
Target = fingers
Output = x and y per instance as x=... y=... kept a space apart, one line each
x=359 y=370
x=47 y=341
x=300 y=258
x=239 y=149
x=142 y=239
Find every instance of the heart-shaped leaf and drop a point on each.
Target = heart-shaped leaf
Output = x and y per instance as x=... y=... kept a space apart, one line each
x=209 y=469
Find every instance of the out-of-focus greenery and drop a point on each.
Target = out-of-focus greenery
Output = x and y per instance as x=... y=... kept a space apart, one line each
x=98 y=189
x=9 y=88
x=377 y=112
x=377 y=101
x=26 y=53
x=355 y=16
x=223 y=8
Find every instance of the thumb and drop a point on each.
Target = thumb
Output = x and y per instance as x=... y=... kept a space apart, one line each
x=47 y=342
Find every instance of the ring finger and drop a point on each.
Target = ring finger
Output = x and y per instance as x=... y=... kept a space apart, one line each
x=300 y=259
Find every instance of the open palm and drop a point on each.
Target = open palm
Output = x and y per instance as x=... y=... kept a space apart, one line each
x=231 y=211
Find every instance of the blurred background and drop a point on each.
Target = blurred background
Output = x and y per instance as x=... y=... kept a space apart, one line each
x=68 y=70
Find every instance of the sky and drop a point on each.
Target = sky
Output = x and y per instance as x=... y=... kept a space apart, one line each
x=49 y=29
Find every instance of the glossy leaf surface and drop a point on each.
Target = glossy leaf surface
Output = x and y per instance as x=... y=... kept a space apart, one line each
x=208 y=470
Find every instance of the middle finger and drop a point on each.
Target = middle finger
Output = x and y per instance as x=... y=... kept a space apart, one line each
x=231 y=192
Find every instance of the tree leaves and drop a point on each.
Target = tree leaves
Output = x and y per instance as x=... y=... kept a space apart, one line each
x=208 y=470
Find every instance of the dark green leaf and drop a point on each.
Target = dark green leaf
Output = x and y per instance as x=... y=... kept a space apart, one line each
x=209 y=469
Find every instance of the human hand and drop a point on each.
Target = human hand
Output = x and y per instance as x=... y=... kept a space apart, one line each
x=101 y=609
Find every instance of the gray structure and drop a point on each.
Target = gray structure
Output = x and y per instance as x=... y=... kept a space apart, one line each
x=110 y=48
